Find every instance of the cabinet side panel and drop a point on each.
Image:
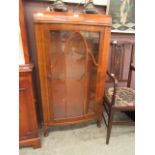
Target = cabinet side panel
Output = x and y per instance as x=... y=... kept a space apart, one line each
x=27 y=115
x=41 y=60
x=103 y=58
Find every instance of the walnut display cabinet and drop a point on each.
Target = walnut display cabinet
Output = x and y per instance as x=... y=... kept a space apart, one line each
x=72 y=53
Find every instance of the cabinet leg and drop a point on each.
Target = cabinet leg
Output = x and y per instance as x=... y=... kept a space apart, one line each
x=46 y=130
x=37 y=144
x=34 y=142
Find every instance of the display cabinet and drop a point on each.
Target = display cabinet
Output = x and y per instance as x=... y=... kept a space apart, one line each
x=72 y=53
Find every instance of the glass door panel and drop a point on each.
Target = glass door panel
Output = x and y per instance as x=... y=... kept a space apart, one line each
x=73 y=58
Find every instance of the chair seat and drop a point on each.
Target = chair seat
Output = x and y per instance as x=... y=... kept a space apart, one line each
x=124 y=96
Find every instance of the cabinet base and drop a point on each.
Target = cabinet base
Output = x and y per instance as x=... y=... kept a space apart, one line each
x=71 y=121
x=34 y=142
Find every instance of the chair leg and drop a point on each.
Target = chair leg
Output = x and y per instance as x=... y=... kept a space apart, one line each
x=103 y=115
x=110 y=119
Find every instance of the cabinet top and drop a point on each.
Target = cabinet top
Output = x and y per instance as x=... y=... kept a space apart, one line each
x=71 y=18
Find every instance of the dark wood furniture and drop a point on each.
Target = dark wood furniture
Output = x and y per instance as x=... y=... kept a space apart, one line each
x=23 y=32
x=72 y=53
x=119 y=60
x=119 y=99
x=28 y=127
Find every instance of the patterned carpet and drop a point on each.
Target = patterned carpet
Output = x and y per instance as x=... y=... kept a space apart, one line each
x=85 y=139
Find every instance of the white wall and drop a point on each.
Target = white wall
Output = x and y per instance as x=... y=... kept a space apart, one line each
x=21 y=52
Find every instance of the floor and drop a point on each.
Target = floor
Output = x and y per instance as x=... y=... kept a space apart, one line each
x=85 y=139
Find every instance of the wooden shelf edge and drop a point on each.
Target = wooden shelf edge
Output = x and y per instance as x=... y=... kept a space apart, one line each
x=26 y=68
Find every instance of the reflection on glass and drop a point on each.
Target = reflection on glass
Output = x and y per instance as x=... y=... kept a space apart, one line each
x=73 y=72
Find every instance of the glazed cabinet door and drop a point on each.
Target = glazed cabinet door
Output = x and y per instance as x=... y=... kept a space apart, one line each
x=72 y=64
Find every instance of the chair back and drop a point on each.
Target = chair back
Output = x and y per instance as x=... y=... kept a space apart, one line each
x=121 y=56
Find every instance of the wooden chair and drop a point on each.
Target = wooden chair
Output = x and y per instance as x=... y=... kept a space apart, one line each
x=118 y=99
